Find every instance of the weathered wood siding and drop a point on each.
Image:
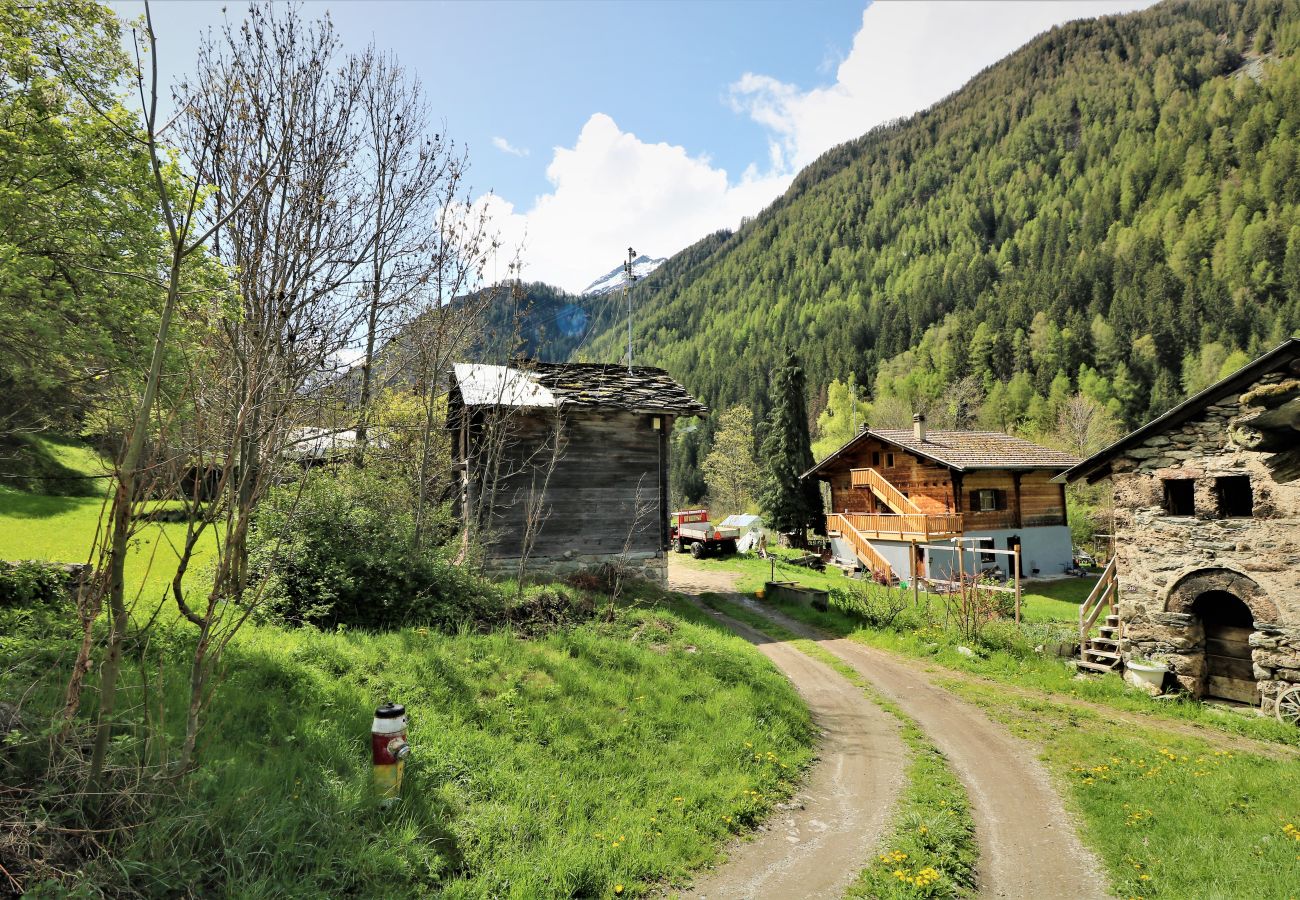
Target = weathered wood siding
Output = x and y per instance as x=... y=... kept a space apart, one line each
x=1025 y=499
x=605 y=494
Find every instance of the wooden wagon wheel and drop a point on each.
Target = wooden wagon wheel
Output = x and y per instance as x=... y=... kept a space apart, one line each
x=1287 y=706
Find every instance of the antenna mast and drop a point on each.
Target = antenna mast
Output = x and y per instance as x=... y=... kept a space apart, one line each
x=630 y=274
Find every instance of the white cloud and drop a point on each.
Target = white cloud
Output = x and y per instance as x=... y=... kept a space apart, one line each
x=506 y=147
x=905 y=57
x=611 y=189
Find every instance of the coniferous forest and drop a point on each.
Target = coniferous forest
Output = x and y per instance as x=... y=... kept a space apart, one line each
x=1111 y=211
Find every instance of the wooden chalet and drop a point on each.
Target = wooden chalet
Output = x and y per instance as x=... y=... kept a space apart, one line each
x=564 y=466
x=894 y=489
x=1206 y=571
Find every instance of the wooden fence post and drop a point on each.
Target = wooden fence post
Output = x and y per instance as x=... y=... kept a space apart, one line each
x=1016 y=564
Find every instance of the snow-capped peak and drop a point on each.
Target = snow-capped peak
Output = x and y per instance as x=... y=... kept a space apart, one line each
x=613 y=280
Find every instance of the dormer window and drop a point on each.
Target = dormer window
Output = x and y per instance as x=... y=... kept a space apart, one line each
x=1234 y=497
x=1180 y=496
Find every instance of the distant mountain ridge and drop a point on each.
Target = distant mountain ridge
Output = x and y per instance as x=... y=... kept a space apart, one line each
x=1112 y=208
x=613 y=280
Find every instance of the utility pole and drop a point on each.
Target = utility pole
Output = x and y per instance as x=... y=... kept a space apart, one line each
x=627 y=295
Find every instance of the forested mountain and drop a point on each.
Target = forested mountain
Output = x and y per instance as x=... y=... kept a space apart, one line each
x=1111 y=210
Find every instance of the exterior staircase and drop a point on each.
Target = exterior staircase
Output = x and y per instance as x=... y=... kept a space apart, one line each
x=872 y=561
x=1100 y=652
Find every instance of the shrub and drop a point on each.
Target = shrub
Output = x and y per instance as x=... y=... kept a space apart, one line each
x=30 y=581
x=338 y=549
x=876 y=605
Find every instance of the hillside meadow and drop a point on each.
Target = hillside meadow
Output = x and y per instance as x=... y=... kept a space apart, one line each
x=605 y=757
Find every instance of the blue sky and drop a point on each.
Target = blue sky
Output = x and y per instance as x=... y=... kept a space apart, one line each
x=599 y=125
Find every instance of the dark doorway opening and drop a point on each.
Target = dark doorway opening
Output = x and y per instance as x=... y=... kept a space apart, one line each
x=1229 y=673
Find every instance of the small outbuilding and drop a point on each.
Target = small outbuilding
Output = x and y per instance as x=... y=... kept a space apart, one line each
x=564 y=466
x=1207 y=533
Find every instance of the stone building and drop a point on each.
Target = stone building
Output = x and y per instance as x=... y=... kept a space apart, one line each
x=1207 y=532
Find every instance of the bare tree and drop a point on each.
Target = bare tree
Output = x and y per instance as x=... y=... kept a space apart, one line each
x=411 y=172
x=185 y=237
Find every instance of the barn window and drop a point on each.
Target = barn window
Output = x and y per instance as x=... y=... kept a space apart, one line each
x=875 y=459
x=1180 y=496
x=1234 y=496
x=889 y=460
x=987 y=544
x=985 y=500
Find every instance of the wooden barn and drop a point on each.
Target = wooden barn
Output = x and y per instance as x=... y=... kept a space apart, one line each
x=892 y=489
x=564 y=466
x=1206 y=572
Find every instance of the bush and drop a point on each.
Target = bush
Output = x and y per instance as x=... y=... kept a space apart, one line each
x=28 y=582
x=338 y=549
x=875 y=605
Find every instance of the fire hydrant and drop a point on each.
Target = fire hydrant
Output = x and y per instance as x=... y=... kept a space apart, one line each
x=389 y=748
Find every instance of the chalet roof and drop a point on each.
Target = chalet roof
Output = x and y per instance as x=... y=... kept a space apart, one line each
x=1285 y=354
x=962 y=451
x=527 y=383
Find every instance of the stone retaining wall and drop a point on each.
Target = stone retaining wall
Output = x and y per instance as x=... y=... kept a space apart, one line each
x=648 y=566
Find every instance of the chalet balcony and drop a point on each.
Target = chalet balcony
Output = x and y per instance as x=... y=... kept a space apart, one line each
x=896 y=527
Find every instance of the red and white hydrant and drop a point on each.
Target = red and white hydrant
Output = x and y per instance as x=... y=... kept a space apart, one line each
x=388 y=748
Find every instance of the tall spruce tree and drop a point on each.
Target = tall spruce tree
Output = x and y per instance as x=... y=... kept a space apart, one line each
x=789 y=503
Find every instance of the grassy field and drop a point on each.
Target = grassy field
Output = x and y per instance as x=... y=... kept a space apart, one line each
x=1041 y=601
x=602 y=759
x=1170 y=815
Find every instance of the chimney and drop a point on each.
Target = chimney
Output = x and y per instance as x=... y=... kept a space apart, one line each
x=918 y=427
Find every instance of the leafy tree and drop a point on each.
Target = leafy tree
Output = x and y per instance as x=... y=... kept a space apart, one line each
x=730 y=470
x=790 y=503
x=845 y=412
x=80 y=236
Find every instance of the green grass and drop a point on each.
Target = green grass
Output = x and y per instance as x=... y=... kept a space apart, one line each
x=614 y=753
x=52 y=465
x=1170 y=815
x=1009 y=655
x=618 y=753
x=1040 y=601
x=931 y=849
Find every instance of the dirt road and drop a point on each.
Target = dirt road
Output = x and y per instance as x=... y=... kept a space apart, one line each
x=816 y=843
x=1028 y=844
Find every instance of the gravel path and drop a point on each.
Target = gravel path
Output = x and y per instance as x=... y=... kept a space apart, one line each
x=1028 y=844
x=815 y=843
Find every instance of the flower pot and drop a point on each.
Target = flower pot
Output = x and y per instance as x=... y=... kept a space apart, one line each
x=1148 y=675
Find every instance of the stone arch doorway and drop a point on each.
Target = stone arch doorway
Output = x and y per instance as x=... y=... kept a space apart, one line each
x=1227 y=606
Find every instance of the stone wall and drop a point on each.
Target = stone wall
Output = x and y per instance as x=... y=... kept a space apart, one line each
x=646 y=565
x=1160 y=555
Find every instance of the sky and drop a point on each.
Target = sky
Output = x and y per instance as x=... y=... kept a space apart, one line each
x=597 y=125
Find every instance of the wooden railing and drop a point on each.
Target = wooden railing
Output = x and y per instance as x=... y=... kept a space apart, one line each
x=1103 y=594
x=906 y=526
x=870 y=557
x=882 y=488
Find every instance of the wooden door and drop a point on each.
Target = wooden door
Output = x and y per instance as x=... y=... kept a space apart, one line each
x=1229 y=673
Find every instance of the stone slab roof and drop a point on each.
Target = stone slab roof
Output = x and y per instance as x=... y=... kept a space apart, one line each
x=962 y=451
x=528 y=383
x=1285 y=357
